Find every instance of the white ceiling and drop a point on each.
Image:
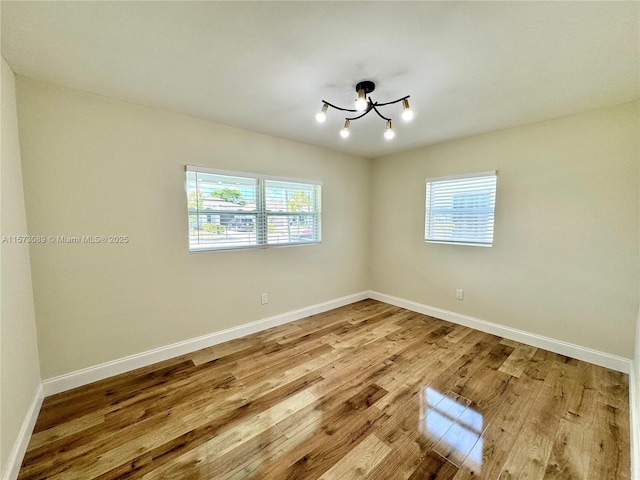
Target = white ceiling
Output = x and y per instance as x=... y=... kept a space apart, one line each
x=470 y=67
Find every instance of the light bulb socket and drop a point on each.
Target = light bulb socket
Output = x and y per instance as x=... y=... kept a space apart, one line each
x=389 y=133
x=361 y=100
x=321 y=116
x=364 y=88
x=344 y=133
x=407 y=113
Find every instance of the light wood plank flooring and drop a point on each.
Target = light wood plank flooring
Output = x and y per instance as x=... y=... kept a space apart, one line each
x=367 y=391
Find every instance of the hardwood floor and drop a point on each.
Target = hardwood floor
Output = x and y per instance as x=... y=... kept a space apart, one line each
x=366 y=391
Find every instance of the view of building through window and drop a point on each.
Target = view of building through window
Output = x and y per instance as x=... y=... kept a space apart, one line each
x=229 y=211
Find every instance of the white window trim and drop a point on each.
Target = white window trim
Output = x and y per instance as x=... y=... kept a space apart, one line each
x=257 y=176
x=488 y=173
x=231 y=173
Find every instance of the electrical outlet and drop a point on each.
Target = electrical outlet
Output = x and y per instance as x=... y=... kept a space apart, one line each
x=264 y=298
x=459 y=294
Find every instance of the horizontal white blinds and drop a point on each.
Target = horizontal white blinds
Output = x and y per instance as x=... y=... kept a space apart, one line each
x=291 y=212
x=461 y=209
x=236 y=211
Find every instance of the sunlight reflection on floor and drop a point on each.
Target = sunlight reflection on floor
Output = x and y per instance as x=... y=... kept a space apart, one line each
x=452 y=426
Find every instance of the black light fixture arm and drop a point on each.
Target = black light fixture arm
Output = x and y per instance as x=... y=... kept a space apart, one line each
x=371 y=106
x=391 y=103
x=339 y=108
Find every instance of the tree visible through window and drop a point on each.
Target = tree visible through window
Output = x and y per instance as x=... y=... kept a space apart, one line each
x=461 y=209
x=233 y=210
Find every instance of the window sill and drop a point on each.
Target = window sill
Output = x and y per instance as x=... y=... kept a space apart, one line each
x=468 y=244
x=251 y=247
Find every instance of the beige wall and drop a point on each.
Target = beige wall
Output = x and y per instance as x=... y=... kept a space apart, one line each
x=635 y=397
x=564 y=262
x=95 y=166
x=19 y=367
x=565 y=258
x=635 y=406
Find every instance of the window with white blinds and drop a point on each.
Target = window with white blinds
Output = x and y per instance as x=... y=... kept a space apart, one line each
x=461 y=209
x=239 y=210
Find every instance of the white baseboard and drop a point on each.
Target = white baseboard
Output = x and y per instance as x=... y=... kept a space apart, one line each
x=98 y=372
x=115 y=367
x=634 y=420
x=596 y=357
x=16 y=456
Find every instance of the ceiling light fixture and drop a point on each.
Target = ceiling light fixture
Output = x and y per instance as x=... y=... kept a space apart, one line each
x=365 y=104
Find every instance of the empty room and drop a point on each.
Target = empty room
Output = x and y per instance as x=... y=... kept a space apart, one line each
x=320 y=240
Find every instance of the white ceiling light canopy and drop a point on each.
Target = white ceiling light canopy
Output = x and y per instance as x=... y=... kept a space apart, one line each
x=365 y=104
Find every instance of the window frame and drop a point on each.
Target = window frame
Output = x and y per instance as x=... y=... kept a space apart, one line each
x=428 y=203
x=261 y=213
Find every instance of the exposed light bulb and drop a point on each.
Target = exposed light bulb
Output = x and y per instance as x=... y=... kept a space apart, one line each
x=389 y=133
x=407 y=113
x=344 y=133
x=321 y=116
x=361 y=101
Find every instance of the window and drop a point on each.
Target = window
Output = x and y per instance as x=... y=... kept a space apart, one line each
x=240 y=210
x=460 y=209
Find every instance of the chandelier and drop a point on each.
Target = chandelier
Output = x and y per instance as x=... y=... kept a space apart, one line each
x=365 y=104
